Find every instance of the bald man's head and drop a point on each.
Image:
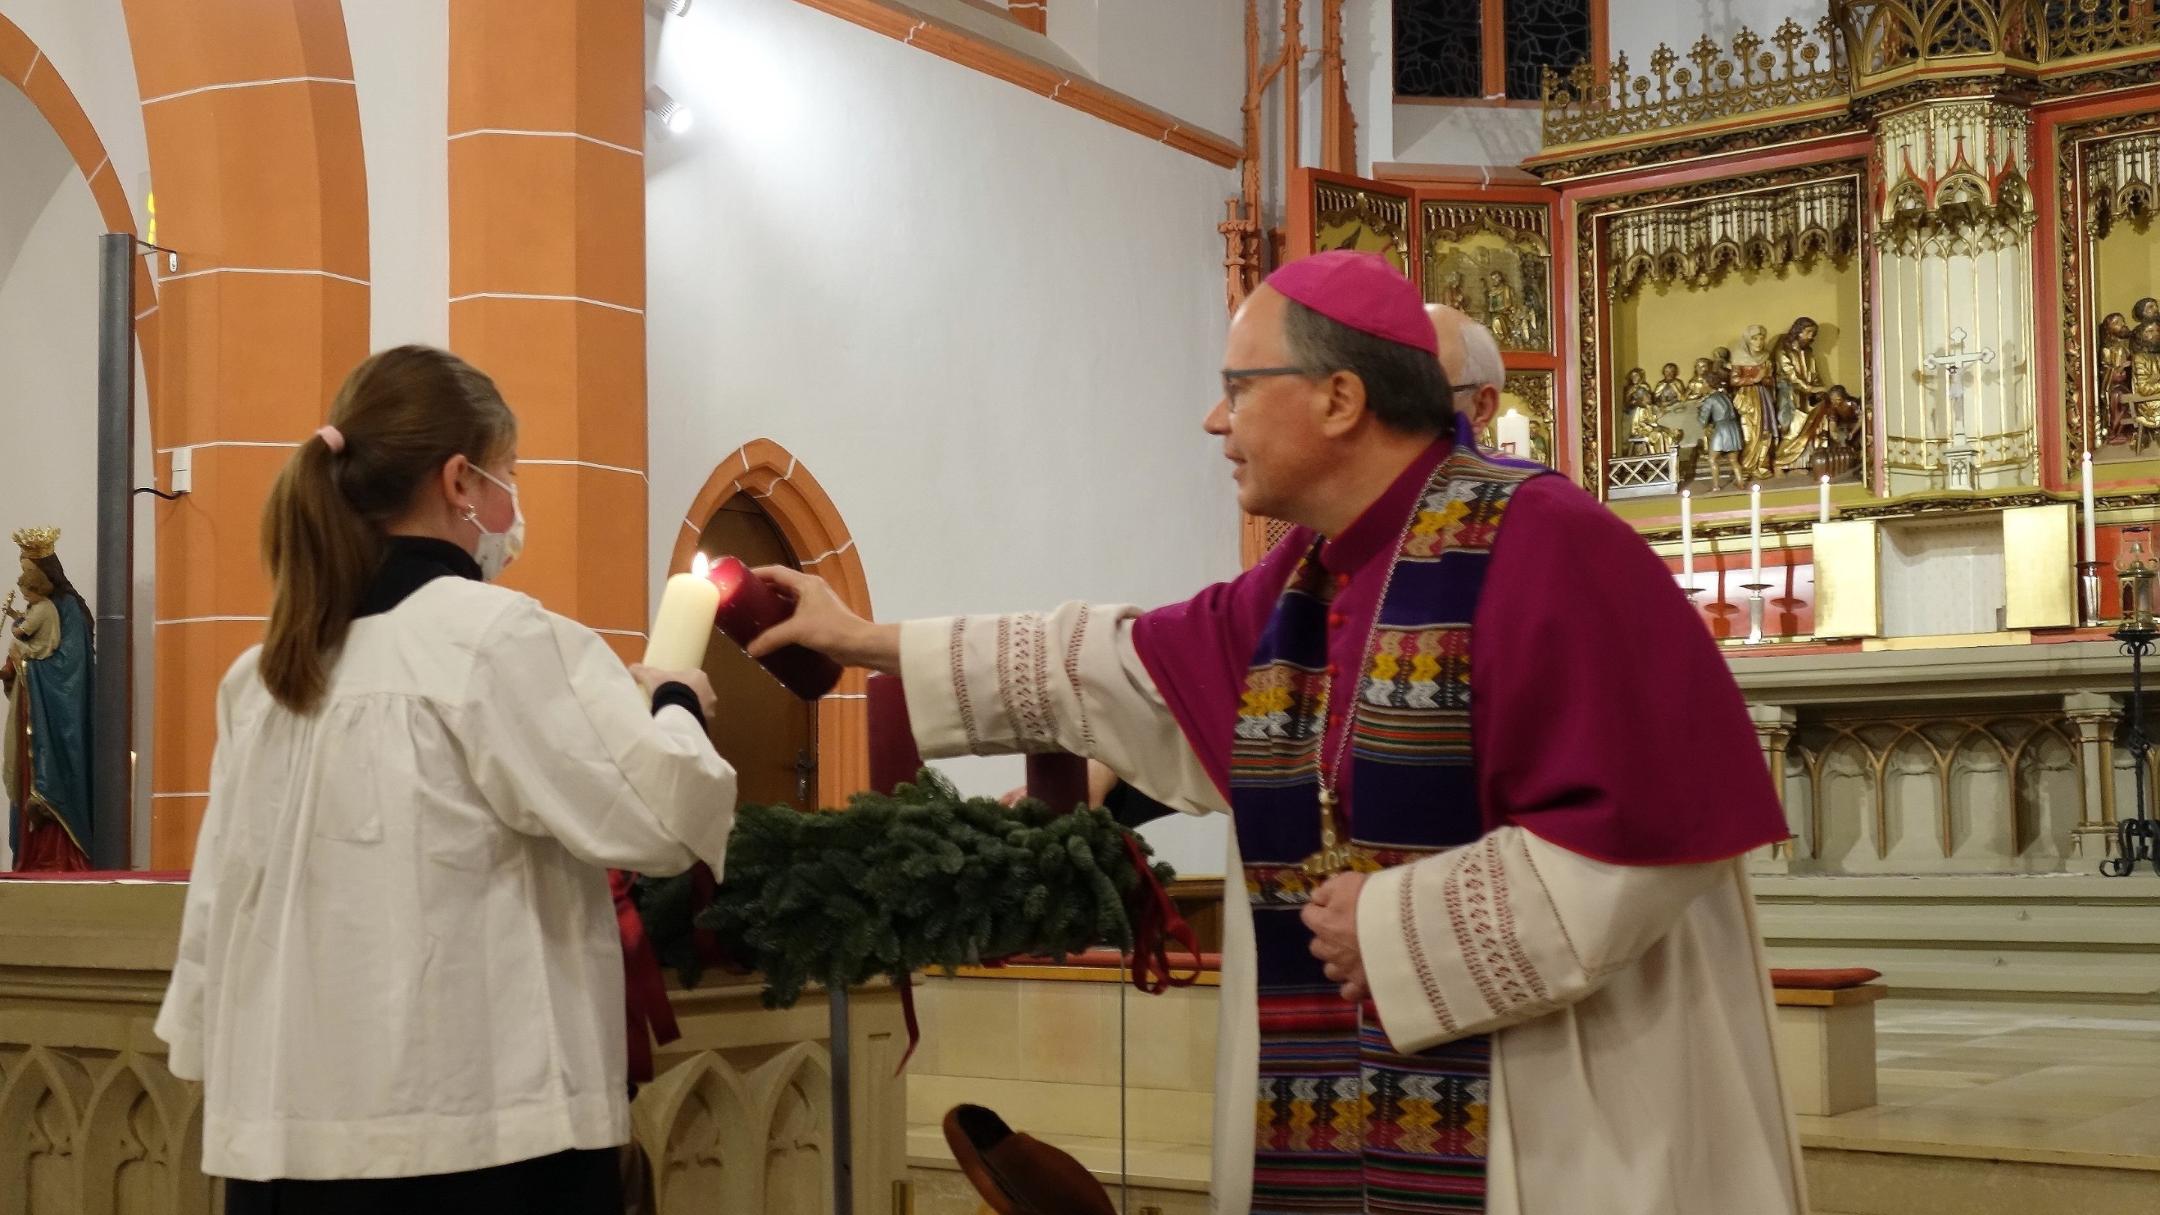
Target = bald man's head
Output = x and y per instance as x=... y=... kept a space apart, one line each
x=1447 y=326
x=1471 y=359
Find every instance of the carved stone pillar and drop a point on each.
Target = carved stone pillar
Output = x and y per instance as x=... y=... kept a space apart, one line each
x=1774 y=729
x=2094 y=714
x=1955 y=232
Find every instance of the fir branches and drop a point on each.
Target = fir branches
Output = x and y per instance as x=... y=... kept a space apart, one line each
x=892 y=885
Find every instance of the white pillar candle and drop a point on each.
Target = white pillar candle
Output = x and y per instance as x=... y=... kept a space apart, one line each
x=1754 y=534
x=1512 y=432
x=683 y=627
x=1825 y=509
x=1687 y=536
x=2092 y=548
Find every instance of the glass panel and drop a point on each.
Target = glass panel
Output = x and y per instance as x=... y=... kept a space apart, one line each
x=1543 y=33
x=1439 y=48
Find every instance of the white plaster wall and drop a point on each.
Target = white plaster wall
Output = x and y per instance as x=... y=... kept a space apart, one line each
x=36 y=161
x=1184 y=57
x=1369 y=70
x=1504 y=134
x=401 y=73
x=987 y=323
x=87 y=41
x=1638 y=26
x=48 y=399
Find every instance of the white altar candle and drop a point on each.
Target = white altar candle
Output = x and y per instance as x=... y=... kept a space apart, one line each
x=2091 y=547
x=683 y=627
x=1687 y=537
x=1512 y=432
x=1754 y=534
x=1825 y=509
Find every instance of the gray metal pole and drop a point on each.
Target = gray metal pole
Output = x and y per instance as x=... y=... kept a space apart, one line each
x=112 y=714
x=843 y=1136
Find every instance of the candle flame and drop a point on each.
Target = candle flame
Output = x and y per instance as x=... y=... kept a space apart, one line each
x=699 y=566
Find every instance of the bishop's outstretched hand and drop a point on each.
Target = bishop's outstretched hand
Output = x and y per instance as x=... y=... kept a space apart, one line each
x=823 y=623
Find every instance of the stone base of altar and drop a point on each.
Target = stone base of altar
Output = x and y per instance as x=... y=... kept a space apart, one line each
x=2055 y=937
x=739 y=1119
x=1982 y=755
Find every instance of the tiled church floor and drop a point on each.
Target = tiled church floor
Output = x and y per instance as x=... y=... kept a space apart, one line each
x=2044 y=1085
x=2059 y=1084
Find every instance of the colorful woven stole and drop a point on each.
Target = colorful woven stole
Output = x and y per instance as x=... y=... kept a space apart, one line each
x=1345 y=1123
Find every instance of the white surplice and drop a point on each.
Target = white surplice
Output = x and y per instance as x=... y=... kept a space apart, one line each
x=1629 y=1007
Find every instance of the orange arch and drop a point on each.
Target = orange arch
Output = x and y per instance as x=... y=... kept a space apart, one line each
x=253 y=128
x=25 y=65
x=812 y=527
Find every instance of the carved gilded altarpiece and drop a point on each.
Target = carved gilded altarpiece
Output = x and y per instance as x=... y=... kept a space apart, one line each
x=1954 y=220
x=1723 y=335
x=1530 y=394
x=1337 y=212
x=2110 y=250
x=1494 y=262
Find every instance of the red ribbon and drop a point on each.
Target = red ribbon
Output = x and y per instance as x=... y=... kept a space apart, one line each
x=907 y=1015
x=648 y=1015
x=1155 y=923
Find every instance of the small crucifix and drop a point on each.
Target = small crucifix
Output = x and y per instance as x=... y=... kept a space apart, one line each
x=1952 y=364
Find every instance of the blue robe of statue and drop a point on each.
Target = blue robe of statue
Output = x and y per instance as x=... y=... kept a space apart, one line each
x=57 y=689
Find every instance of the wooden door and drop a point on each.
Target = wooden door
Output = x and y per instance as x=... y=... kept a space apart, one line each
x=764 y=730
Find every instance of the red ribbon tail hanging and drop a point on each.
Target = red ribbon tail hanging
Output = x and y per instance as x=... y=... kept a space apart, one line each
x=648 y=1017
x=907 y=1015
x=1155 y=923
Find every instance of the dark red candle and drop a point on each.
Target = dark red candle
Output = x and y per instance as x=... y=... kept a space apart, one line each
x=747 y=608
x=894 y=759
x=1058 y=780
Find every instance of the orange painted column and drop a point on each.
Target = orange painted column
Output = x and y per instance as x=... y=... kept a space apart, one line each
x=254 y=140
x=547 y=282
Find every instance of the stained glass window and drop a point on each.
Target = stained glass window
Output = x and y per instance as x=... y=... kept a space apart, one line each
x=1439 y=48
x=1541 y=34
x=1440 y=45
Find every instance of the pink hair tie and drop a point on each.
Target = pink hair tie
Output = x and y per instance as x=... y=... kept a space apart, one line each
x=332 y=438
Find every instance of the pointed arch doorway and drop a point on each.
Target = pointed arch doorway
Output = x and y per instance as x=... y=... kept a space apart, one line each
x=762 y=728
x=762 y=505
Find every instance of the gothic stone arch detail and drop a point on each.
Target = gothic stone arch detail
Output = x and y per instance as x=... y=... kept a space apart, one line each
x=813 y=529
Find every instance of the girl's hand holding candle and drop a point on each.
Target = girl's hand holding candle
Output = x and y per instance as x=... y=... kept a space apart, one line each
x=652 y=679
x=726 y=595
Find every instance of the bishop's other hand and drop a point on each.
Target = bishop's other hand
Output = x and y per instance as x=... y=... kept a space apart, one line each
x=1332 y=919
x=823 y=623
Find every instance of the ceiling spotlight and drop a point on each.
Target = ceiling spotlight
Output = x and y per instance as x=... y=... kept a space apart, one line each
x=673 y=114
x=669 y=8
